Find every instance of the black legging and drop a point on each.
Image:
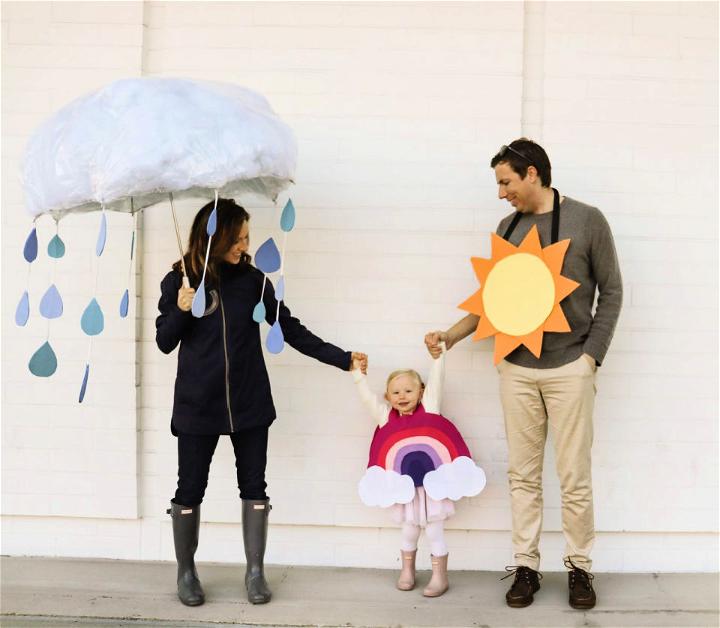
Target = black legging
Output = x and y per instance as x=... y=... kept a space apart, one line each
x=196 y=451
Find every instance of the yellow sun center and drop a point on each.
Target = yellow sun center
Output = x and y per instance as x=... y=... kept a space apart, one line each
x=519 y=294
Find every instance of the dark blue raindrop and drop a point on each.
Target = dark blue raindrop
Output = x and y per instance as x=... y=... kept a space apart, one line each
x=31 y=247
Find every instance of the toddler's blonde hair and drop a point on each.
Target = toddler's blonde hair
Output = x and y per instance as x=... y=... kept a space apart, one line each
x=399 y=372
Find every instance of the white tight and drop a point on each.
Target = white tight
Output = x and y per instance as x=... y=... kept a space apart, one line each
x=435 y=532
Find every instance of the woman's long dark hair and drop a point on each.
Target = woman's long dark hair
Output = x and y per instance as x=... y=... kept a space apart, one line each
x=230 y=219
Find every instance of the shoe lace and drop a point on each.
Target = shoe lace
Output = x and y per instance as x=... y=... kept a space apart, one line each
x=584 y=578
x=521 y=572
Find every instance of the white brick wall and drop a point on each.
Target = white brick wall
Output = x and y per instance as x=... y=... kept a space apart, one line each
x=397 y=108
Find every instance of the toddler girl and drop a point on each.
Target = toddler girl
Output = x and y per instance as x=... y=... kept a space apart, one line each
x=418 y=463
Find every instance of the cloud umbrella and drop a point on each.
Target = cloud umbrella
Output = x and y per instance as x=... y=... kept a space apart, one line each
x=140 y=141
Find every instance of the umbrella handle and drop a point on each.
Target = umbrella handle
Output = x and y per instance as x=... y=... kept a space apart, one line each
x=186 y=281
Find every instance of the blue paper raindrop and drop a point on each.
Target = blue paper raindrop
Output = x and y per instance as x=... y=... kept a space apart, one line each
x=280 y=289
x=124 y=303
x=102 y=236
x=212 y=223
x=51 y=305
x=267 y=258
x=259 y=312
x=43 y=363
x=56 y=247
x=83 y=386
x=287 y=220
x=198 y=304
x=31 y=247
x=92 y=321
x=275 y=339
x=22 y=313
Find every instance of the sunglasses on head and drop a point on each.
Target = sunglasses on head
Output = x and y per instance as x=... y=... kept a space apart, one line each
x=505 y=148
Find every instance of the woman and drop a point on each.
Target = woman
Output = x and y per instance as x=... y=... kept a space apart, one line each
x=222 y=385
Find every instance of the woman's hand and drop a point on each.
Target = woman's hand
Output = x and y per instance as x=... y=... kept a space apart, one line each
x=359 y=361
x=185 y=298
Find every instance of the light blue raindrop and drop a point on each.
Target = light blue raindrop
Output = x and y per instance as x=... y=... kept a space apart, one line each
x=102 y=236
x=287 y=220
x=212 y=223
x=275 y=339
x=259 y=312
x=124 y=303
x=92 y=321
x=280 y=289
x=83 y=386
x=267 y=258
x=43 y=363
x=198 y=304
x=22 y=313
x=56 y=247
x=51 y=305
x=31 y=247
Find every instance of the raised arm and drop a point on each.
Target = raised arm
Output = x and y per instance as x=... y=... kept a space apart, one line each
x=377 y=408
x=432 y=398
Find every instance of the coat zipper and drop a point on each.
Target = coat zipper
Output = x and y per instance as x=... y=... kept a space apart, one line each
x=227 y=364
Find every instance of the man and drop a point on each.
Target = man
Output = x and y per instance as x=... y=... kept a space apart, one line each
x=558 y=388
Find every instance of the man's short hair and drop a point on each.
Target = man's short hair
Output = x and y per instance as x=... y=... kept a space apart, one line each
x=521 y=153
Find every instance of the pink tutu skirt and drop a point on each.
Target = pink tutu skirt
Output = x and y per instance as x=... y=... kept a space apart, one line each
x=422 y=509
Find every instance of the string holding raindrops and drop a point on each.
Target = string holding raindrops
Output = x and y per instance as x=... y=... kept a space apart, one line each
x=92 y=321
x=30 y=251
x=276 y=341
x=198 y=304
x=125 y=299
x=43 y=363
x=267 y=259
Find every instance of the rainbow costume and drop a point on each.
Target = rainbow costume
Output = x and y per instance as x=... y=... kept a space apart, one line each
x=419 y=462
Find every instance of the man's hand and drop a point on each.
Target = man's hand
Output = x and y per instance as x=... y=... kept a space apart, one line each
x=359 y=361
x=433 y=340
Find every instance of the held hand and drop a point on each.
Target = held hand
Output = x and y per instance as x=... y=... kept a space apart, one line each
x=185 y=298
x=359 y=361
x=433 y=340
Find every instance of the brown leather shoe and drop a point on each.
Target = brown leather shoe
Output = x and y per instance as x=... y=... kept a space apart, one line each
x=525 y=585
x=581 y=592
x=406 y=580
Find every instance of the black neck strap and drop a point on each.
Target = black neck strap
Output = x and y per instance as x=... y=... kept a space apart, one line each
x=555 y=232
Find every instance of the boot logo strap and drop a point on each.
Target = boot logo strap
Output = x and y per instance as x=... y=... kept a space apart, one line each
x=258 y=506
x=186 y=511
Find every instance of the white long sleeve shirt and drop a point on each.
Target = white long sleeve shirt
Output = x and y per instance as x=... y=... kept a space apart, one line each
x=379 y=408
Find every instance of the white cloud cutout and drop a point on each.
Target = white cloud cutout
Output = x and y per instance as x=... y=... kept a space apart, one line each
x=379 y=487
x=454 y=480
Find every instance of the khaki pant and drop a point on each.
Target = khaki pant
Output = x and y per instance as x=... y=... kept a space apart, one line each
x=562 y=397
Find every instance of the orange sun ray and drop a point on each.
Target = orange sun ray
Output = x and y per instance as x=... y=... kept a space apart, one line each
x=473 y=304
x=500 y=248
x=563 y=287
x=484 y=329
x=531 y=243
x=556 y=321
x=504 y=345
x=554 y=255
x=533 y=341
x=482 y=267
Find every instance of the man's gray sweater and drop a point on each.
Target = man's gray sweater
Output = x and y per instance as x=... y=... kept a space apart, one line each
x=591 y=260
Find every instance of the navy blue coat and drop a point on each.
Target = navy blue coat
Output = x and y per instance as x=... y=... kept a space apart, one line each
x=222 y=385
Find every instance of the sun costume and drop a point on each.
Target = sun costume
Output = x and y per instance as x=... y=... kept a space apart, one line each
x=418 y=463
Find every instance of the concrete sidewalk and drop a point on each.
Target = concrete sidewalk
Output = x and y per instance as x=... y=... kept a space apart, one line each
x=65 y=592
